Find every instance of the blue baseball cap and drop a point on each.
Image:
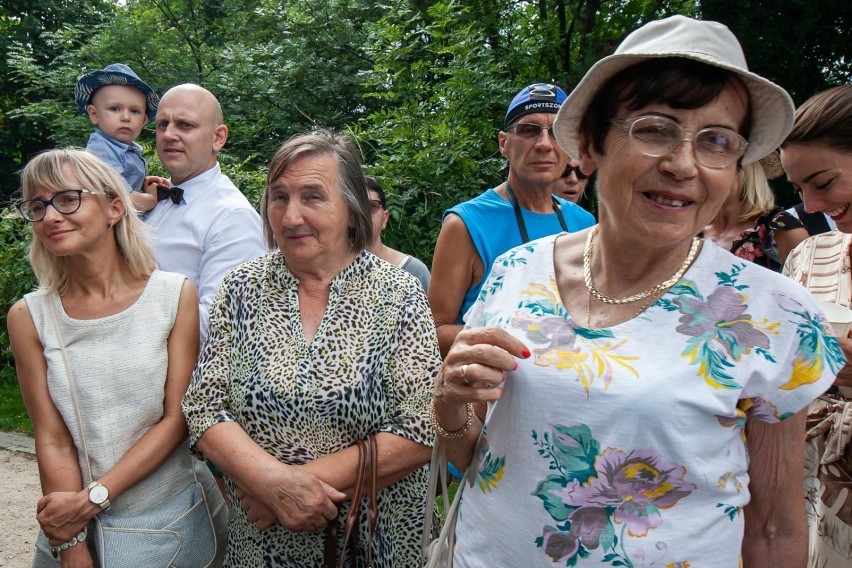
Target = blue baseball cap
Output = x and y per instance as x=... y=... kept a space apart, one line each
x=538 y=97
x=114 y=74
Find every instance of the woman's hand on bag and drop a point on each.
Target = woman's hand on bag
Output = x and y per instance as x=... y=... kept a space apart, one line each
x=301 y=502
x=77 y=556
x=63 y=514
x=259 y=514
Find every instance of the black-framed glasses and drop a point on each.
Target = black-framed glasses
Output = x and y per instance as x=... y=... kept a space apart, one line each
x=529 y=130
x=375 y=205
x=66 y=202
x=569 y=169
x=657 y=136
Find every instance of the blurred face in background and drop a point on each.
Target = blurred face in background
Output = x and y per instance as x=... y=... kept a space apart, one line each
x=380 y=216
x=572 y=183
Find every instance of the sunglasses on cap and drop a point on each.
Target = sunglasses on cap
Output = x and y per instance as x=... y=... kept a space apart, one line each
x=576 y=169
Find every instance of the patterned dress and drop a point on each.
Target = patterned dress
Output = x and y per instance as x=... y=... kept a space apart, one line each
x=758 y=243
x=822 y=265
x=624 y=446
x=369 y=368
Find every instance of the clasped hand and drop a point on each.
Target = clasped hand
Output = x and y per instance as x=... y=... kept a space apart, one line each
x=301 y=502
x=63 y=514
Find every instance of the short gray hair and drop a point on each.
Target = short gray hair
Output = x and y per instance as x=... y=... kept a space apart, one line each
x=350 y=179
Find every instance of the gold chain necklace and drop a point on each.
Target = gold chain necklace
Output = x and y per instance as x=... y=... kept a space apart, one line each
x=641 y=309
x=587 y=274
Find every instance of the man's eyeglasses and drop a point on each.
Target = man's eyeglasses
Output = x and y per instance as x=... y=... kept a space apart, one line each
x=529 y=130
x=66 y=202
x=569 y=169
x=657 y=136
x=375 y=205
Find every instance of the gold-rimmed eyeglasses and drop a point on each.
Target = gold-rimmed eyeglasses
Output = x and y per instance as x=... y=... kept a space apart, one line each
x=656 y=136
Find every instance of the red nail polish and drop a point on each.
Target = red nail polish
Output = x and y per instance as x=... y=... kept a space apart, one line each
x=516 y=366
x=525 y=353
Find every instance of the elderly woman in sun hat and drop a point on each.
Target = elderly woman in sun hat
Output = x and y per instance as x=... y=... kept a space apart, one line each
x=625 y=364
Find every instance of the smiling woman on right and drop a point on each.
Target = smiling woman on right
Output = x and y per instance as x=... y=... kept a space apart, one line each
x=817 y=157
x=646 y=388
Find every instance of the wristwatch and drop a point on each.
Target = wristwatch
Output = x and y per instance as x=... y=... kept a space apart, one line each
x=99 y=495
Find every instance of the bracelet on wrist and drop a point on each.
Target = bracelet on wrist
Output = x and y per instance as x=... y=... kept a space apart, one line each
x=55 y=550
x=451 y=434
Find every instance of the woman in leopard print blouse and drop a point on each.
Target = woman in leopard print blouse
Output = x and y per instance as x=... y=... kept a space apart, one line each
x=312 y=348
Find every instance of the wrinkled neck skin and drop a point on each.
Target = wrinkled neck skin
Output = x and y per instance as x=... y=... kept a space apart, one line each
x=530 y=197
x=623 y=264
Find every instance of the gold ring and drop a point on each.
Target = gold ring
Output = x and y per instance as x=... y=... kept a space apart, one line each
x=463 y=373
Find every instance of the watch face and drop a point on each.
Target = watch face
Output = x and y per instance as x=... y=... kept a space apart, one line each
x=98 y=494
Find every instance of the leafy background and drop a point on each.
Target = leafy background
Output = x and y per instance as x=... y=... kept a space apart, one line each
x=422 y=85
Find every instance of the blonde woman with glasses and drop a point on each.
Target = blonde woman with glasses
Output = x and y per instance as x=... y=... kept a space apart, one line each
x=104 y=349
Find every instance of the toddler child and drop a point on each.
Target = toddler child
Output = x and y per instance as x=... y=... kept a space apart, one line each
x=120 y=105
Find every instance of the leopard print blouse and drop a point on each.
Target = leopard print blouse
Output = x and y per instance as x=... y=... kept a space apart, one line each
x=369 y=368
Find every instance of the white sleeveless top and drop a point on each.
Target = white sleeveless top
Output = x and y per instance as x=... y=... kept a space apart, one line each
x=119 y=363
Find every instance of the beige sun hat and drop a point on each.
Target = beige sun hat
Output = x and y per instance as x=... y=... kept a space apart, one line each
x=712 y=43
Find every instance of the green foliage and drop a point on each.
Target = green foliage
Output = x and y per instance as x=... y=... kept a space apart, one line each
x=31 y=27
x=433 y=141
x=819 y=34
x=16 y=279
x=13 y=413
x=422 y=85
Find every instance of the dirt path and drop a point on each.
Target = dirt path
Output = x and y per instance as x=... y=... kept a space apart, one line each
x=19 y=492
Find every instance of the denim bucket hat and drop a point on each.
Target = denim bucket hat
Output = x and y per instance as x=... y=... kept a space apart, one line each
x=711 y=43
x=114 y=74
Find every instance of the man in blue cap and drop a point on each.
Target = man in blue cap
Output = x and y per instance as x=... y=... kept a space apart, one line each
x=519 y=210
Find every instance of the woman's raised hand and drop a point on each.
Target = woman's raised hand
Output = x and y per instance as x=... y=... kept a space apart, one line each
x=475 y=367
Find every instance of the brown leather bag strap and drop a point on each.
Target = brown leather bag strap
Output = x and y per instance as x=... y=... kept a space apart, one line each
x=367 y=474
x=350 y=524
x=373 y=475
x=329 y=556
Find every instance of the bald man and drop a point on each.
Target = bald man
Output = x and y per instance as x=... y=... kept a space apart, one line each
x=202 y=226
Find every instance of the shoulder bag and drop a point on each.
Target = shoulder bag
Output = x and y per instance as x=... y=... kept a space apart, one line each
x=178 y=531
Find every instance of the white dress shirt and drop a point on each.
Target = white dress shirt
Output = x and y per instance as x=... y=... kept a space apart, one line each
x=213 y=229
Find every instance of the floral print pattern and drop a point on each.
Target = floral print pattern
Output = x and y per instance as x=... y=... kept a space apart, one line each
x=721 y=330
x=542 y=320
x=758 y=243
x=625 y=446
x=596 y=496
